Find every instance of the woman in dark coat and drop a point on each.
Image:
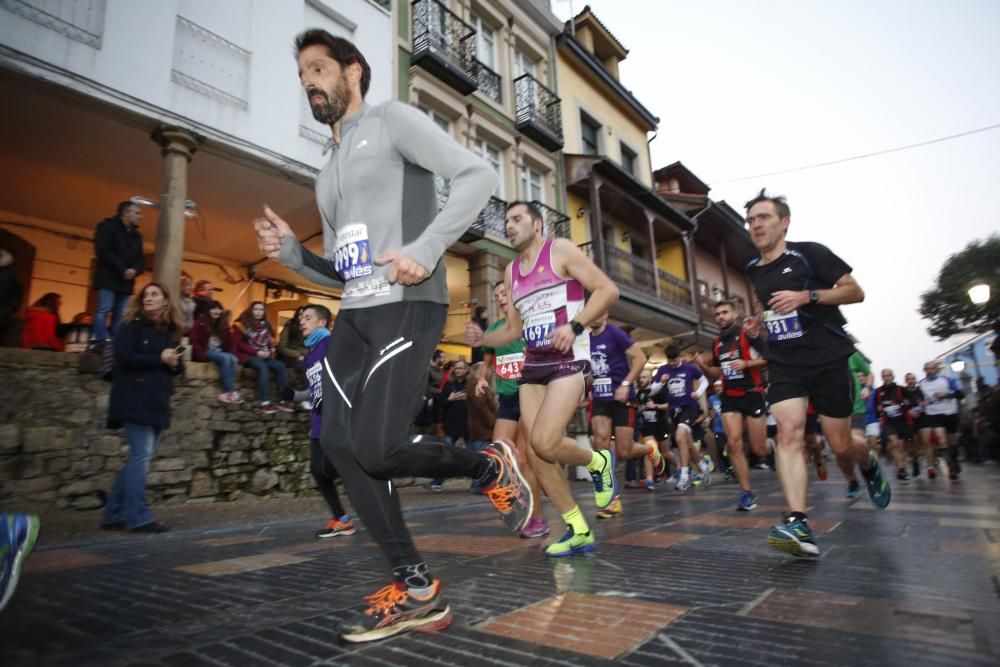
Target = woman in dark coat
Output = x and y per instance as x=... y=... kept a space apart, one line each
x=146 y=361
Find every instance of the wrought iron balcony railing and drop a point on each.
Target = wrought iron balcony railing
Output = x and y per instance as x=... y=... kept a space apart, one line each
x=487 y=81
x=641 y=275
x=444 y=44
x=490 y=221
x=556 y=224
x=536 y=105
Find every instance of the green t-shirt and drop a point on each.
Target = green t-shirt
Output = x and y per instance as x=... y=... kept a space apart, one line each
x=509 y=361
x=858 y=365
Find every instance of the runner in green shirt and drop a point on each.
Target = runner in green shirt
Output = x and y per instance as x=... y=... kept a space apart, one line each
x=505 y=364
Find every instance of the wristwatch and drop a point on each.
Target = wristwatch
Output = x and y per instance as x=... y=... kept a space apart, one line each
x=576 y=327
x=813 y=297
x=626 y=383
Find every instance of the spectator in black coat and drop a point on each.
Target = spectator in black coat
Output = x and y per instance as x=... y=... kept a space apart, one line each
x=118 y=246
x=11 y=294
x=146 y=361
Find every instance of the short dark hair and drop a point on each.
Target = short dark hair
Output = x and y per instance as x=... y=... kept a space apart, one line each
x=672 y=351
x=322 y=312
x=338 y=48
x=533 y=211
x=498 y=284
x=725 y=302
x=780 y=204
x=124 y=206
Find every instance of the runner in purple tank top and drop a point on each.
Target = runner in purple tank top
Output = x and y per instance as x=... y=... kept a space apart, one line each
x=546 y=283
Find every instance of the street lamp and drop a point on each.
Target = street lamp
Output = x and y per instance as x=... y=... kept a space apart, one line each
x=979 y=293
x=958 y=365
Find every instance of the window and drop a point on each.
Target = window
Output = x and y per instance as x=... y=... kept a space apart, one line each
x=492 y=155
x=485 y=43
x=589 y=129
x=523 y=64
x=441 y=184
x=628 y=159
x=532 y=185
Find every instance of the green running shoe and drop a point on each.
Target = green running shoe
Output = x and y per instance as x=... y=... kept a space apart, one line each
x=571 y=544
x=605 y=480
x=794 y=537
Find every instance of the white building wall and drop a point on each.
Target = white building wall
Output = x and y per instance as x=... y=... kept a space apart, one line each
x=127 y=51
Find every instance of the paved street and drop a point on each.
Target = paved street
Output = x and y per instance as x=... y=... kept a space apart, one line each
x=681 y=579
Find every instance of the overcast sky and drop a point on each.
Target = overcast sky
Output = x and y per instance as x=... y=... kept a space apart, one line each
x=747 y=87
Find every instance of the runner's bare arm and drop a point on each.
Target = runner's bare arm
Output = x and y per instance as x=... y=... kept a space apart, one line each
x=636 y=360
x=511 y=331
x=711 y=372
x=569 y=261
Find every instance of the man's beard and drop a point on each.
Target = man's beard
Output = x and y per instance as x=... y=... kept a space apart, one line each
x=332 y=109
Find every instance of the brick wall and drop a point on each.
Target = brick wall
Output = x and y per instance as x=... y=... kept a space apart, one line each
x=55 y=449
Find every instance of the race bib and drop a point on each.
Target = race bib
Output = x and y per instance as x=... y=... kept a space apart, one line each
x=538 y=330
x=782 y=327
x=893 y=411
x=602 y=388
x=353 y=258
x=677 y=387
x=314 y=375
x=731 y=373
x=649 y=416
x=508 y=366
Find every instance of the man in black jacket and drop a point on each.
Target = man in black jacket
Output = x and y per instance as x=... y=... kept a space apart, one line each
x=118 y=246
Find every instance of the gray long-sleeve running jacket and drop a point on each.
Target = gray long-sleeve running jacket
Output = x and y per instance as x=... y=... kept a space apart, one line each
x=377 y=194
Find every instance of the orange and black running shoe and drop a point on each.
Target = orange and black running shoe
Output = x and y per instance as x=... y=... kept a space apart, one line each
x=394 y=609
x=510 y=493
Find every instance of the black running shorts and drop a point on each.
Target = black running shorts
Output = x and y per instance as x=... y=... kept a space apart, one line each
x=509 y=407
x=750 y=404
x=621 y=415
x=948 y=422
x=830 y=387
x=897 y=427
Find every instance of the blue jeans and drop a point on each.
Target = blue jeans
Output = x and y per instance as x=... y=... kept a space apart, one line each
x=113 y=302
x=227 y=367
x=127 y=500
x=280 y=376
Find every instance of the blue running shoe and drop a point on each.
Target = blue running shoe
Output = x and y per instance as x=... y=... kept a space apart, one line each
x=793 y=537
x=605 y=480
x=853 y=489
x=571 y=544
x=18 y=533
x=879 y=490
x=748 y=502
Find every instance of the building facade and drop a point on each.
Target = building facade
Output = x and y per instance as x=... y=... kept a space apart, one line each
x=484 y=72
x=192 y=107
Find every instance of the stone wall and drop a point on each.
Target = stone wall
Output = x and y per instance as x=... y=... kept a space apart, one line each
x=55 y=449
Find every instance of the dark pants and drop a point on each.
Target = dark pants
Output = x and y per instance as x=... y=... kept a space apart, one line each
x=377 y=372
x=326 y=476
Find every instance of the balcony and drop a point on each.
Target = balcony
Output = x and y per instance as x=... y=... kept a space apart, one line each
x=490 y=222
x=641 y=275
x=538 y=113
x=444 y=45
x=487 y=81
x=556 y=224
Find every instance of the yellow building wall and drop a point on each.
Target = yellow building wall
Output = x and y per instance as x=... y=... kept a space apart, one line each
x=577 y=93
x=579 y=227
x=670 y=258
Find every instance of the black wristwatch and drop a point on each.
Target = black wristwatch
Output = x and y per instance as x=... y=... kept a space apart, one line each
x=576 y=327
x=813 y=297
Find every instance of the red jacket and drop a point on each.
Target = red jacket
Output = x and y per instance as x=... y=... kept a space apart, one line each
x=201 y=333
x=242 y=348
x=40 y=330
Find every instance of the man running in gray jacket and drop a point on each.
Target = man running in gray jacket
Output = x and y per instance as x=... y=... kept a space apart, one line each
x=383 y=239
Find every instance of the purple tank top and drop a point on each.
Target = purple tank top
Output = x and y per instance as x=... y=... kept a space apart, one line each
x=546 y=301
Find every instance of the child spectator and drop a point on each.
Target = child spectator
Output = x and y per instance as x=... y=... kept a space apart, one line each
x=41 y=324
x=254 y=346
x=314 y=321
x=212 y=340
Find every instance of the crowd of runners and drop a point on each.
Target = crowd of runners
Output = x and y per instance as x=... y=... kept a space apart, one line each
x=384 y=237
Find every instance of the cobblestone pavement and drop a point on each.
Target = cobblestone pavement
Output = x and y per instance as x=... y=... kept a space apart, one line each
x=680 y=579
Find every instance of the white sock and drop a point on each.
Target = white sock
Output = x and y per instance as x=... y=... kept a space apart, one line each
x=684 y=473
